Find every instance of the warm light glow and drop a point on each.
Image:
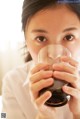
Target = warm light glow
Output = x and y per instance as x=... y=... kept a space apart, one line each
x=11 y=35
x=2 y=47
x=10 y=24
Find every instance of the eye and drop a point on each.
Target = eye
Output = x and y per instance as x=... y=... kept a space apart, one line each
x=69 y=37
x=41 y=39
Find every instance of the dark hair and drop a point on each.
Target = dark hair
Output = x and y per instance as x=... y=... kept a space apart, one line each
x=31 y=7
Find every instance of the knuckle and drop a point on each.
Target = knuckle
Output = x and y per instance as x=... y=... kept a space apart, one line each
x=42 y=83
x=42 y=73
x=62 y=74
x=75 y=78
x=38 y=66
x=74 y=70
x=63 y=65
x=41 y=65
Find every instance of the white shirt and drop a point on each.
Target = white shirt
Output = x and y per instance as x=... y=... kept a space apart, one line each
x=16 y=96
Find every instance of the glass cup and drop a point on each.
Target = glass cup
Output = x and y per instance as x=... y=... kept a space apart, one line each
x=51 y=54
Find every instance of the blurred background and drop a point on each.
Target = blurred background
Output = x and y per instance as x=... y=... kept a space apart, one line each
x=11 y=36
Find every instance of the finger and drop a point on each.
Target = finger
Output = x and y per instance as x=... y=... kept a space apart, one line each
x=35 y=88
x=70 y=61
x=39 y=67
x=62 y=66
x=71 y=91
x=40 y=75
x=43 y=98
x=65 y=76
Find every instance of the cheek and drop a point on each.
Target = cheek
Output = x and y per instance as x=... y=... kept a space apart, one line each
x=33 y=50
x=34 y=54
x=75 y=52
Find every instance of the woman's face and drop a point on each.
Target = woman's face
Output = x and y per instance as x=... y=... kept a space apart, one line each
x=53 y=26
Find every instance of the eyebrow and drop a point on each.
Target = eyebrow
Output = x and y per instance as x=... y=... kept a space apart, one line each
x=39 y=30
x=70 y=29
x=44 y=31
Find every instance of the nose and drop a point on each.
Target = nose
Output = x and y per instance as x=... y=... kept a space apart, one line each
x=55 y=41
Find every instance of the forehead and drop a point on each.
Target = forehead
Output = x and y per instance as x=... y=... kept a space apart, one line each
x=54 y=17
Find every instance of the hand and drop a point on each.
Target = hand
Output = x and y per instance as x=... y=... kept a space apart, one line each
x=68 y=70
x=39 y=79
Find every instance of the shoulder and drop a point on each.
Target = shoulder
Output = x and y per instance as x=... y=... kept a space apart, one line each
x=15 y=93
x=18 y=74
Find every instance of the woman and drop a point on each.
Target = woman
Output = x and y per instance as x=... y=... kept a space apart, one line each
x=45 y=22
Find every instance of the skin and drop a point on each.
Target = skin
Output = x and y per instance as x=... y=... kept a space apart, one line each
x=52 y=26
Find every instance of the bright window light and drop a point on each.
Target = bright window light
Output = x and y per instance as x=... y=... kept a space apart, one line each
x=10 y=24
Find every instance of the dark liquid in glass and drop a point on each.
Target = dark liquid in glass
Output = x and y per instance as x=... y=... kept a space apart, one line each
x=58 y=98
